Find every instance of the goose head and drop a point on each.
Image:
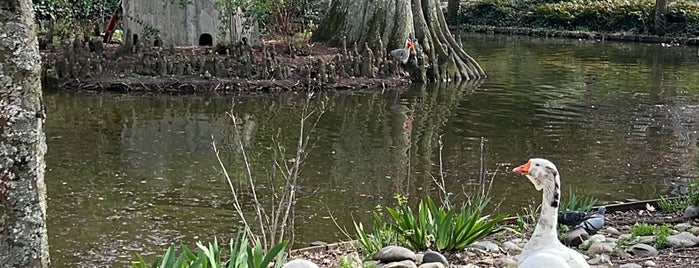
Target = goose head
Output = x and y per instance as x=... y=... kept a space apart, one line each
x=539 y=171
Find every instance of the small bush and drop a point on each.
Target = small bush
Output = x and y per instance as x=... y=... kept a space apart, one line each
x=674 y=205
x=574 y=203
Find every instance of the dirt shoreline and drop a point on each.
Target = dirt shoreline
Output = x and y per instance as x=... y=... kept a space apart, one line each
x=588 y=35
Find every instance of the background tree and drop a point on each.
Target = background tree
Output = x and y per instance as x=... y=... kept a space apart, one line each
x=23 y=239
x=375 y=23
x=453 y=7
x=659 y=16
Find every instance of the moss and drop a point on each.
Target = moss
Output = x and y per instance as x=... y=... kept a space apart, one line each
x=332 y=23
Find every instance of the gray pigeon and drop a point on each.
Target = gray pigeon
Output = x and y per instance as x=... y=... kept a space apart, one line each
x=591 y=222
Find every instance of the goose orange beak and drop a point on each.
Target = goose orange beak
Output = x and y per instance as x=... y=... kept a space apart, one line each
x=523 y=169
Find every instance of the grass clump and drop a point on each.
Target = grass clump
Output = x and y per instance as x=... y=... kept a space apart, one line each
x=575 y=203
x=659 y=232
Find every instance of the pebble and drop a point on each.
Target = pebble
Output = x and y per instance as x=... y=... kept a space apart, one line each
x=433 y=256
x=643 y=250
x=649 y=263
x=682 y=227
x=600 y=248
x=394 y=253
x=630 y=265
x=691 y=212
x=511 y=247
x=682 y=240
x=612 y=231
x=432 y=265
x=486 y=245
x=300 y=263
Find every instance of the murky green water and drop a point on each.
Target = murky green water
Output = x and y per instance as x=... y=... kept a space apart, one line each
x=133 y=174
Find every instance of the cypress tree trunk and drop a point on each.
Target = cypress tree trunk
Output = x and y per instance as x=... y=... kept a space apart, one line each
x=659 y=17
x=453 y=7
x=23 y=239
x=384 y=25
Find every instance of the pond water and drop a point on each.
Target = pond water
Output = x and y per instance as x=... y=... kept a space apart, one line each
x=134 y=174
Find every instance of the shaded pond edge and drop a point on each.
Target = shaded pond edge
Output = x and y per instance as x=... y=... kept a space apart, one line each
x=623 y=207
x=189 y=85
x=588 y=35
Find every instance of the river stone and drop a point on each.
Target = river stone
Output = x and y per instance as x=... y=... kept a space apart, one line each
x=682 y=226
x=394 y=253
x=486 y=245
x=576 y=236
x=646 y=239
x=643 y=250
x=600 y=248
x=600 y=259
x=300 y=263
x=511 y=247
x=694 y=230
x=630 y=265
x=505 y=262
x=682 y=240
x=433 y=256
x=649 y=263
x=625 y=237
x=612 y=231
x=691 y=212
x=597 y=238
x=432 y=265
x=401 y=264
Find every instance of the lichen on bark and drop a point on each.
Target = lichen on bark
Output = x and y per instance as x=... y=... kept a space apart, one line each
x=23 y=237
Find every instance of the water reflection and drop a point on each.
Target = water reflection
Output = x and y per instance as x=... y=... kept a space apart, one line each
x=131 y=174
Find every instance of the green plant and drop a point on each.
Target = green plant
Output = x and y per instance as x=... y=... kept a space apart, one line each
x=242 y=255
x=441 y=228
x=673 y=205
x=527 y=219
x=382 y=235
x=693 y=193
x=574 y=203
x=660 y=232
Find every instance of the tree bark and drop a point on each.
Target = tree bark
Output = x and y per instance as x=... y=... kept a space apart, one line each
x=437 y=55
x=23 y=238
x=453 y=7
x=659 y=16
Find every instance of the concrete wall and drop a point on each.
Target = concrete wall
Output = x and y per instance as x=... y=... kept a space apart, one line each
x=179 y=24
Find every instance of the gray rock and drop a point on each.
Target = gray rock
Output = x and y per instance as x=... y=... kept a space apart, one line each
x=598 y=238
x=646 y=239
x=625 y=236
x=432 y=265
x=433 y=256
x=300 y=263
x=394 y=253
x=682 y=240
x=642 y=250
x=694 y=230
x=600 y=259
x=486 y=245
x=612 y=231
x=401 y=264
x=682 y=227
x=505 y=262
x=600 y=248
x=576 y=236
x=630 y=265
x=511 y=247
x=691 y=212
x=317 y=243
x=649 y=263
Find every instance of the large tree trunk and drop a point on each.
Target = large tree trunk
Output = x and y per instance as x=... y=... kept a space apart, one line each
x=659 y=16
x=437 y=56
x=23 y=240
x=453 y=7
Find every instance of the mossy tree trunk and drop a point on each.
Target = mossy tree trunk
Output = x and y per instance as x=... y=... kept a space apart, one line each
x=384 y=25
x=23 y=239
x=659 y=16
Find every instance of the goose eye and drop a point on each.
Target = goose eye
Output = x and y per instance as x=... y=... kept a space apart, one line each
x=537 y=165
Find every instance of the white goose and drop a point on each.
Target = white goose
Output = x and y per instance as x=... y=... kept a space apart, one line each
x=544 y=249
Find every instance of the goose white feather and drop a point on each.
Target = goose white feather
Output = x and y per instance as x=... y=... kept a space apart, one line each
x=543 y=248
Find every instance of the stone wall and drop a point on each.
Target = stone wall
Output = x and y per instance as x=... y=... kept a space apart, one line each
x=179 y=22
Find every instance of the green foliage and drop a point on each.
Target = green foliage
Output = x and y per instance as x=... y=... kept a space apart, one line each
x=682 y=18
x=382 y=235
x=574 y=203
x=242 y=255
x=283 y=17
x=660 y=232
x=673 y=205
x=527 y=220
x=693 y=193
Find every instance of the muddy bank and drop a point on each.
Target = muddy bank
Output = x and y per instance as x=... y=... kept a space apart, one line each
x=272 y=66
x=587 y=35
